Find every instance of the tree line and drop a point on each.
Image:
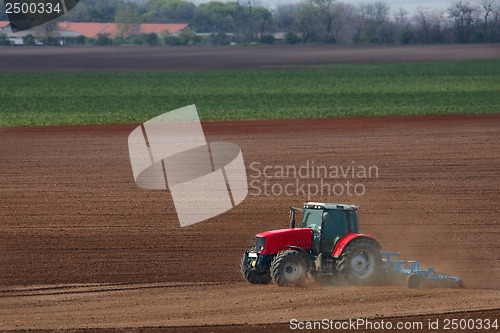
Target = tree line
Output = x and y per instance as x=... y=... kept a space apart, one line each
x=308 y=21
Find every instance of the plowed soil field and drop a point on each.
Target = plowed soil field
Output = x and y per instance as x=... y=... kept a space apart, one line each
x=82 y=247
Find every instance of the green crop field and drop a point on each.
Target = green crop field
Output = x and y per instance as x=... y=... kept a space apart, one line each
x=317 y=91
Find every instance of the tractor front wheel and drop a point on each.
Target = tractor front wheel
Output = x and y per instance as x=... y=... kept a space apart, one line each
x=361 y=262
x=288 y=268
x=251 y=275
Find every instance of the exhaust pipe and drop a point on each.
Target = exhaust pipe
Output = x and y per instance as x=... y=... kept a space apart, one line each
x=292 y=217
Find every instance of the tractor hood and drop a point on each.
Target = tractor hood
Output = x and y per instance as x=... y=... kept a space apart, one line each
x=279 y=240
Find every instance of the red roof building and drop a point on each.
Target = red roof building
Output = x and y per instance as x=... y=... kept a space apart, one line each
x=91 y=30
x=3 y=24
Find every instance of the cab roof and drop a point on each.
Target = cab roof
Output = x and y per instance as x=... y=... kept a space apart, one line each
x=324 y=205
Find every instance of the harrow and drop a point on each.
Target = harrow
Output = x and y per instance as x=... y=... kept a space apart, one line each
x=409 y=272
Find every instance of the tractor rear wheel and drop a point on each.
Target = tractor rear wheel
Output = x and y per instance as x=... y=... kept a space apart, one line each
x=361 y=262
x=288 y=268
x=251 y=275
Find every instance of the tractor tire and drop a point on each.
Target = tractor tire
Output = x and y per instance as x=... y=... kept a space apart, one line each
x=414 y=281
x=252 y=276
x=360 y=263
x=288 y=268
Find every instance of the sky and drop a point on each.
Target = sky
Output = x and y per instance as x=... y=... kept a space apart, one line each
x=409 y=5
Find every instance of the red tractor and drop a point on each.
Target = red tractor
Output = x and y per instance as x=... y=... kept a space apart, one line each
x=327 y=246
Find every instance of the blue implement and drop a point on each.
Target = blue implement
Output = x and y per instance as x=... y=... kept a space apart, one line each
x=409 y=271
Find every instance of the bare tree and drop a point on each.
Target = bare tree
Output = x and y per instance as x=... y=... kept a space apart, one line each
x=285 y=16
x=380 y=11
x=422 y=25
x=401 y=17
x=465 y=15
x=306 y=21
x=343 y=27
x=325 y=13
x=359 y=22
x=263 y=18
x=373 y=25
x=385 y=28
x=489 y=7
x=402 y=26
x=431 y=26
x=495 y=25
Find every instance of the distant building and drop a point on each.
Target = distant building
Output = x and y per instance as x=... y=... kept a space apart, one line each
x=89 y=30
x=17 y=38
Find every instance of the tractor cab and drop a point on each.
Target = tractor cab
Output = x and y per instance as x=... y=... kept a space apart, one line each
x=329 y=223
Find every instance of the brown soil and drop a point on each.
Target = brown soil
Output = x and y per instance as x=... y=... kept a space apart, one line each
x=133 y=58
x=82 y=247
